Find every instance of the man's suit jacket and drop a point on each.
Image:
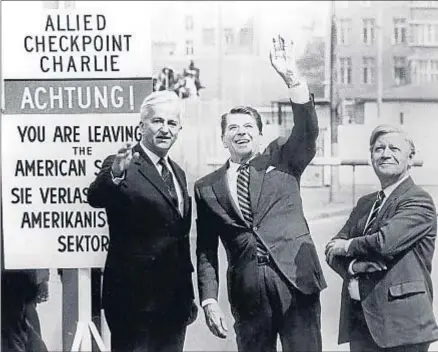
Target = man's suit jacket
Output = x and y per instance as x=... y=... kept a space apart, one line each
x=278 y=220
x=148 y=266
x=397 y=303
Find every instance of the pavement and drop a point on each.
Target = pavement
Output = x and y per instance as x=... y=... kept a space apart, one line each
x=319 y=208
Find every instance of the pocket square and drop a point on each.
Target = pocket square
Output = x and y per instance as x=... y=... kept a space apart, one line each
x=270 y=168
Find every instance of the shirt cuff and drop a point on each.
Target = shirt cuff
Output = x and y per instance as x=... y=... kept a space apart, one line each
x=117 y=180
x=207 y=301
x=350 y=267
x=299 y=94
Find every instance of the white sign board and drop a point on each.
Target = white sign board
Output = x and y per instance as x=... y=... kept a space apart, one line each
x=73 y=84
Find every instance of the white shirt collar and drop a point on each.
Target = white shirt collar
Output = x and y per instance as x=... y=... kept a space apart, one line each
x=233 y=166
x=388 y=190
x=154 y=157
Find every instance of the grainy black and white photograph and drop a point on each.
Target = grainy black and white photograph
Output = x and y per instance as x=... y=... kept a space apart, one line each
x=249 y=176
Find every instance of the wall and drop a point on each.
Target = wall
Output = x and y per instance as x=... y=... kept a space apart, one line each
x=420 y=122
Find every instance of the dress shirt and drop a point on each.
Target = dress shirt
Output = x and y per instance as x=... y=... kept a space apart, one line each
x=299 y=94
x=155 y=160
x=354 y=282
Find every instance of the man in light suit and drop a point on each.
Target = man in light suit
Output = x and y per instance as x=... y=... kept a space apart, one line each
x=253 y=204
x=384 y=254
x=147 y=285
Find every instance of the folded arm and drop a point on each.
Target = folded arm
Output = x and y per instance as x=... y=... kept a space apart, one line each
x=342 y=265
x=414 y=219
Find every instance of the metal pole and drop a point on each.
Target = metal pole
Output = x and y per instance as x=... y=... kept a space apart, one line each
x=333 y=112
x=379 y=28
x=219 y=54
x=354 y=185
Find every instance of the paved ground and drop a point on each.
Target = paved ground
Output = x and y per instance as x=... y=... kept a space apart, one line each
x=325 y=219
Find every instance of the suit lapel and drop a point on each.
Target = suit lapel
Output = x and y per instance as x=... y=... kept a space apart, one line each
x=366 y=213
x=148 y=170
x=179 y=173
x=257 y=176
x=400 y=190
x=223 y=193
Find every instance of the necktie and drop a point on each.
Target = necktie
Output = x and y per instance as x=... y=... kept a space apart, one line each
x=168 y=180
x=374 y=211
x=243 y=192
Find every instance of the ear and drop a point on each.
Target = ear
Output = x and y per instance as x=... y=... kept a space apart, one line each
x=411 y=157
x=223 y=143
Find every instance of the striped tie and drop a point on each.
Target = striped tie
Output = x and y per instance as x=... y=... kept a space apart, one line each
x=375 y=210
x=243 y=192
x=168 y=180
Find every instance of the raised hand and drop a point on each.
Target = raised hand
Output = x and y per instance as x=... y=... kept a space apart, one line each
x=284 y=62
x=215 y=320
x=123 y=159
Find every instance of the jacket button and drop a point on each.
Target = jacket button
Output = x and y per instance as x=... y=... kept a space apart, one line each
x=255 y=228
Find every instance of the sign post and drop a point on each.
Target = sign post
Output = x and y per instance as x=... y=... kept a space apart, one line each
x=73 y=83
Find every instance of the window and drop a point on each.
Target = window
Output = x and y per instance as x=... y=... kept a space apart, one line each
x=419 y=71
x=208 y=37
x=163 y=48
x=434 y=70
x=69 y=4
x=369 y=31
x=344 y=30
x=53 y=5
x=400 y=28
x=345 y=70
x=189 y=47
x=189 y=24
x=246 y=36
x=400 y=74
x=348 y=112
x=424 y=34
x=229 y=36
x=369 y=66
x=427 y=4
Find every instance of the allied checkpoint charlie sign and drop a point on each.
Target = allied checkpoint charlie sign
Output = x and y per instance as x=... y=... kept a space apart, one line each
x=74 y=81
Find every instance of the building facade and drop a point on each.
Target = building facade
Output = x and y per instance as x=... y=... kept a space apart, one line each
x=408 y=52
x=229 y=42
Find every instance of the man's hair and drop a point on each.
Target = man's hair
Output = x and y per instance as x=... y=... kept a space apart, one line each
x=247 y=110
x=159 y=97
x=385 y=129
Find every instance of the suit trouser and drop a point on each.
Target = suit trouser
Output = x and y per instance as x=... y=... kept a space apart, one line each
x=362 y=341
x=283 y=311
x=141 y=332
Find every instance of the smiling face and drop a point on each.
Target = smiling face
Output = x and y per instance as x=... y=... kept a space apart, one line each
x=241 y=137
x=391 y=156
x=160 y=127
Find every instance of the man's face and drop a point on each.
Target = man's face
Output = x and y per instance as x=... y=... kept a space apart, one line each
x=391 y=156
x=241 y=137
x=160 y=128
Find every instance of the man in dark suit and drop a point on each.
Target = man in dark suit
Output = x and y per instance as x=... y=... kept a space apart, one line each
x=253 y=204
x=20 y=328
x=384 y=254
x=147 y=285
